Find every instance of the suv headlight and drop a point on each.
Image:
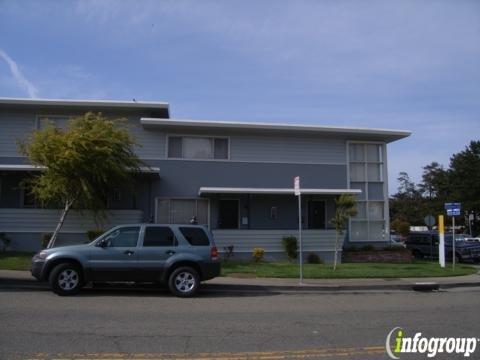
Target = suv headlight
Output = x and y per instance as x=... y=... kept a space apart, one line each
x=42 y=255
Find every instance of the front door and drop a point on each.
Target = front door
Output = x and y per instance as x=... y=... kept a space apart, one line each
x=228 y=214
x=118 y=260
x=316 y=214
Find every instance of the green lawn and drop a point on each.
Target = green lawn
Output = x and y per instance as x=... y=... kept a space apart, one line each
x=21 y=261
x=13 y=260
x=344 y=271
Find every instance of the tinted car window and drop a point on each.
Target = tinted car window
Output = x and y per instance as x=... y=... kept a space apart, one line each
x=123 y=237
x=195 y=236
x=158 y=236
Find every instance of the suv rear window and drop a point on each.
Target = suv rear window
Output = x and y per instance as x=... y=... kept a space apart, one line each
x=195 y=236
x=158 y=236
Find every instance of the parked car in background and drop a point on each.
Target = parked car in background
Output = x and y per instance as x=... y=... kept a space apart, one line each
x=424 y=244
x=180 y=256
x=473 y=239
x=397 y=240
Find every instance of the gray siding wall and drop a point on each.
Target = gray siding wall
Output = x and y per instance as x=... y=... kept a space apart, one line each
x=14 y=126
x=184 y=178
x=271 y=240
x=244 y=147
x=287 y=149
x=45 y=220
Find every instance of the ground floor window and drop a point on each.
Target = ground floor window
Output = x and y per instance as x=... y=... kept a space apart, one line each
x=181 y=211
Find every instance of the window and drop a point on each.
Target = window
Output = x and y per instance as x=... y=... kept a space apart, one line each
x=197 y=147
x=27 y=198
x=366 y=173
x=181 y=211
x=274 y=213
x=195 y=236
x=123 y=237
x=57 y=121
x=158 y=236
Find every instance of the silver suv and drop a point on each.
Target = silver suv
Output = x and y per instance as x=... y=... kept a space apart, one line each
x=180 y=256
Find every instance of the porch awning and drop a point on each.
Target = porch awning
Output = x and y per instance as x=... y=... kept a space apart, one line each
x=278 y=191
x=23 y=167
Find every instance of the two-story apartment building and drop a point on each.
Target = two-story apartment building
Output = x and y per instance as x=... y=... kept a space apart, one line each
x=235 y=177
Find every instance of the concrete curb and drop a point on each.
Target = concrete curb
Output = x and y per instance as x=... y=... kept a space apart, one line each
x=27 y=284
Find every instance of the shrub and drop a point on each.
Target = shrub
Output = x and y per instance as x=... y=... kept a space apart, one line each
x=401 y=227
x=351 y=248
x=45 y=239
x=313 y=258
x=367 y=248
x=290 y=246
x=228 y=252
x=5 y=241
x=394 y=248
x=94 y=233
x=258 y=254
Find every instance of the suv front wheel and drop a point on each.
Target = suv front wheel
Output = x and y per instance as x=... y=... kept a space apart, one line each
x=66 y=279
x=184 y=281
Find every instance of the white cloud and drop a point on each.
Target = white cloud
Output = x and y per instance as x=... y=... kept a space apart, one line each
x=20 y=79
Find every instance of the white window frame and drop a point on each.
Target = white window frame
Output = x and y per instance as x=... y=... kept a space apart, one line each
x=50 y=117
x=384 y=181
x=213 y=137
x=182 y=198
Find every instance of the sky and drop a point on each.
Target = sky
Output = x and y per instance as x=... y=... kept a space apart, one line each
x=409 y=65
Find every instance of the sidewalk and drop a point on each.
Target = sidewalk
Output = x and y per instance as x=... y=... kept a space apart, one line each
x=23 y=279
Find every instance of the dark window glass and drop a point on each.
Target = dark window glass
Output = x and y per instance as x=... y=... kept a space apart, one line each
x=158 y=236
x=195 y=236
x=174 y=147
x=28 y=198
x=220 y=149
x=123 y=237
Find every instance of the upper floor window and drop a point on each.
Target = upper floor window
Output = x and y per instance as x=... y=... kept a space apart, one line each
x=184 y=147
x=56 y=120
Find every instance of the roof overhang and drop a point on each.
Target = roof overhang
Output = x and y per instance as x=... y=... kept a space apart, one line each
x=274 y=191
x=349 y=132
x=85 y=104
x=8 y=167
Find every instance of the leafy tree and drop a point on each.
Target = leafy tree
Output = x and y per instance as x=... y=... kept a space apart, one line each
x=81 y=164
x=400 y=226
x=464 y=177
x=408 y=203
x=346 y=207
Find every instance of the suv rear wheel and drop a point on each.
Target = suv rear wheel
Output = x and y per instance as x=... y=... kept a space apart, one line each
x=66 y=279
x=184 y=281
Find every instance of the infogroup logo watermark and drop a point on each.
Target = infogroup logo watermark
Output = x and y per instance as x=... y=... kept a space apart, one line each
x=397 y=343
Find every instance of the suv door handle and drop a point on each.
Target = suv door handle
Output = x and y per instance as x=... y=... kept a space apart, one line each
x=169 y=252
x=129 y=252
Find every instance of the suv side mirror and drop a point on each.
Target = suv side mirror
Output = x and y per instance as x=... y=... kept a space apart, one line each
x=102 y=243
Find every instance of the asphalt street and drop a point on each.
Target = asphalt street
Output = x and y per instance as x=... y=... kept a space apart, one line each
x=151 y=324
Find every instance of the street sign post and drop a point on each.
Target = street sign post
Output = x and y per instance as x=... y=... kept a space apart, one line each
x=296 y=188
x=453 y=209
x=429 y=221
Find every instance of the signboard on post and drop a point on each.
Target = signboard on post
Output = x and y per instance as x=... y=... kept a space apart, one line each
x=296 y=185
x=453 y=209
x=296 y=189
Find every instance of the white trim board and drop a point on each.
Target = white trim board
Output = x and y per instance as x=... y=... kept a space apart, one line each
x=287 y=191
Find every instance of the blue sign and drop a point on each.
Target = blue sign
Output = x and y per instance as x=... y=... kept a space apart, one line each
x=453 y=209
